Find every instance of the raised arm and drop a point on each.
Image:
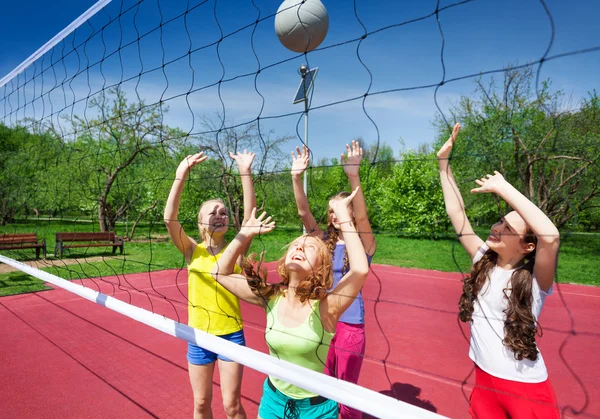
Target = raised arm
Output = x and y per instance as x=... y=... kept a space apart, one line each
x=351 y=165
x=185 y=244
x=244 y=162
x=455 y=206
x=548 y=237
x=223 y=270
x=299 y=166
x=348 y=288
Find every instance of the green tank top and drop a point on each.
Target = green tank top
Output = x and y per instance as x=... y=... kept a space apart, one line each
x=306 y=345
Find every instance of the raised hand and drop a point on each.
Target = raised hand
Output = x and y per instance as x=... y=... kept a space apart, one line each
x=444 y=152
x=190 y=161
x=340 y=206
x=258 y=225
x=351 y=160
x=244 y=161
x=490 y=183
x=300 y=162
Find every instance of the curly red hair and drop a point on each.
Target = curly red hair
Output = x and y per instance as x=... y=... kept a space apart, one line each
x=313 y=287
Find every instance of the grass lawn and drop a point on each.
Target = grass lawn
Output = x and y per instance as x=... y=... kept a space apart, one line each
x=152 y=250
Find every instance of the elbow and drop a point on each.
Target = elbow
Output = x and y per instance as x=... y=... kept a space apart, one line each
x=302 y=212
x=360 y=265
x=361 y=219
x=169 y=216
x=171 y=223
x=361 y=271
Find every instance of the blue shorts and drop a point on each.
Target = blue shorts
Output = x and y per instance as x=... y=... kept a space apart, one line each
x=200 y=356
x=275 y=405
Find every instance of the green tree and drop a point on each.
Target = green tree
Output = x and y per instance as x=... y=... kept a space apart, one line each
x=111 y=150
x=11 y=174
x=26 y=176
x=549 y=153
x=410 y=200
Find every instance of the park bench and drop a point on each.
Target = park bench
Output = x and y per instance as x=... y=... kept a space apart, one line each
x=23 y=241
x=71 y=240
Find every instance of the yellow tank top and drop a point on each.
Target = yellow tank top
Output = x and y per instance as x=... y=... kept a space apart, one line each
x=211 y=307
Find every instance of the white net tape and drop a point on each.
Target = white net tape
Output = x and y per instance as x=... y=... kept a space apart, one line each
x=349 y=394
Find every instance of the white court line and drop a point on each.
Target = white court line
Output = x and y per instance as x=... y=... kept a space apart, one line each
x=119 y=291
x=457 y=279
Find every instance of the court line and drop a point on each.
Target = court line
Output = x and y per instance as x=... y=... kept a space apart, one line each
x=457 y=279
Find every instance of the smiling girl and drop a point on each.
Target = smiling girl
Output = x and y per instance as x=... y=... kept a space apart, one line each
x=211 y=307
x=302 y=314
x=512 y=274
x=347 y=351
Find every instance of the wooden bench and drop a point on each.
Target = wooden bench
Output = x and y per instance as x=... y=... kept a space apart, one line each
x=23 y=241
x=71 y=240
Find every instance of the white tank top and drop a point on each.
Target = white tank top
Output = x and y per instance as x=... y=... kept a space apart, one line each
x=487 y=329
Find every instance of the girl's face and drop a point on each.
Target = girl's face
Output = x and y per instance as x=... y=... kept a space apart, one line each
x=507 y=236
x=213 y=217
x=304 y=255
x=331 y=214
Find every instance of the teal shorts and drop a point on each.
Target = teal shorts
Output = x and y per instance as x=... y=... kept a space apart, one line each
x=276 y=405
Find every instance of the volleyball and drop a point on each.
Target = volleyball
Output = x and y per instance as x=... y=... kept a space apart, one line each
x=301 y=25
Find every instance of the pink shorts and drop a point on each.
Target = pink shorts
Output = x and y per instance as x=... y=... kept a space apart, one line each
x=495 y=397
x=345 y=358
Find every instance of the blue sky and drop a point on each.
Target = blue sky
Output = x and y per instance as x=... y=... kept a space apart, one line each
x=479 y=36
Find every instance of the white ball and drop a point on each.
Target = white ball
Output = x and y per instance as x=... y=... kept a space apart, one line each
x=301 y=25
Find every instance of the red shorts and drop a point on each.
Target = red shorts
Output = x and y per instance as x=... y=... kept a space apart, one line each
x=495 y=397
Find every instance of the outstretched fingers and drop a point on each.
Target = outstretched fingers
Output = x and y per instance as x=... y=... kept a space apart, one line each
x=190 y=161
x=305 y=152
x=198 y=157
x=489 y=183
x=243 y=159
x=356 y=148
x=351 y=158
x=262 y=222
x=265 y=224
x=455 y=132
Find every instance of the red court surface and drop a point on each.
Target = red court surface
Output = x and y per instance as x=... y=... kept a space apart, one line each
x=65 y=357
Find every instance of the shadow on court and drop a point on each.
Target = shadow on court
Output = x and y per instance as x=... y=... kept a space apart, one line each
x=407 y=393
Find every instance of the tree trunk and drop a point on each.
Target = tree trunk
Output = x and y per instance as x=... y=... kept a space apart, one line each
x=102 y=213
x=142 y=214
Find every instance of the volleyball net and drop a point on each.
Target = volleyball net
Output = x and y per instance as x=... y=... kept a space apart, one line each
x=95 y=123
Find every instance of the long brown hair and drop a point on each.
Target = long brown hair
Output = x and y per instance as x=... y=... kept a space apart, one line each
x=331 y=234
x=520 y=326
x=313 y=287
